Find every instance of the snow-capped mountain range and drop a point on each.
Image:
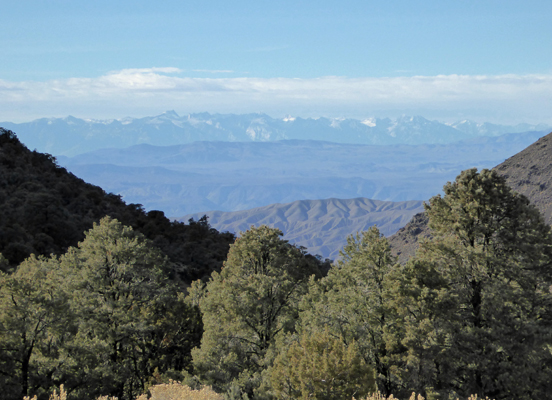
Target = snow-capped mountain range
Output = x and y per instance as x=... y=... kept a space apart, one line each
x=70 y=136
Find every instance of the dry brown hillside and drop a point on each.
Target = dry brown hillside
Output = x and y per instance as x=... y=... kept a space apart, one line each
x=529 y=172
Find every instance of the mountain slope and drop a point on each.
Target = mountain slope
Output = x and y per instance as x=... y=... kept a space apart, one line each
x=322 y=226
x=44 y=210
x=528 y=172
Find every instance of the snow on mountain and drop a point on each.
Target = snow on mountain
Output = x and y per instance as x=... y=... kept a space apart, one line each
x=70 y=136
x=488 y=129
x=371 y=122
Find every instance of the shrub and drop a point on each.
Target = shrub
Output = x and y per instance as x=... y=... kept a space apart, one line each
x=178 y=391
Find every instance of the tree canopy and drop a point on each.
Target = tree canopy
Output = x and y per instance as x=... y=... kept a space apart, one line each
x=475 y=302
x=101 y=319
x=321 y=366
x=247 y=305
x=350 y=301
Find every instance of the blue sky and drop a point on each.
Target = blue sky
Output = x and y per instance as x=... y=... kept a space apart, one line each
x=447 y=60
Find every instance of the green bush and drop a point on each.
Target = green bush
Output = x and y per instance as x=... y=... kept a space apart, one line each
x=321 y=367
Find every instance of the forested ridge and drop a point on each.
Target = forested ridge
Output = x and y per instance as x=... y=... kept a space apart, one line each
x=45 y=210
x=116 y=309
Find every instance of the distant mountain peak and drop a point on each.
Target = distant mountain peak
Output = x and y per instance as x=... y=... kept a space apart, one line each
x=371 y=122
x=71 y=136
x=171 y=114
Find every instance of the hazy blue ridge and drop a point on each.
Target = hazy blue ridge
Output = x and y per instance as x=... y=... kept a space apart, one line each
x=70 y=136
x=232 y=176
x=230 y=163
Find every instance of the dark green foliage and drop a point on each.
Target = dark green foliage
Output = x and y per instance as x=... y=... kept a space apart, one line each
x=475 y=303
x=247 y=306
x=45 y=210
x=122 y=299
x=103 y=319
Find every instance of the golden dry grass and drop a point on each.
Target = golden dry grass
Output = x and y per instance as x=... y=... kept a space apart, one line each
x=178 y=391
x=413 y=396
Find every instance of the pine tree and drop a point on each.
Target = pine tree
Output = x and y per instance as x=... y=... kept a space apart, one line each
x=476 y=301
x=132 y=323
x=35 y=325
x=321 y=366
x=245 y=307
x=350 y=301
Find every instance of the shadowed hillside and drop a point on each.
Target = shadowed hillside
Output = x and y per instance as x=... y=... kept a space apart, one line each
x=44 y=209
x=529 y=172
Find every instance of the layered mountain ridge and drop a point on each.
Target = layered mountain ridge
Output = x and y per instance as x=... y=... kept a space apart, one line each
x=322 y=226
x=70 y=136
x=233 y=176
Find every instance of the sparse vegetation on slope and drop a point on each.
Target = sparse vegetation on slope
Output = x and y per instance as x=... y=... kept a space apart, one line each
x=529 y=172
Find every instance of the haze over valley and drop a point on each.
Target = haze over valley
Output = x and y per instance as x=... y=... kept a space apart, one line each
x=253 y=169
x=232 y=176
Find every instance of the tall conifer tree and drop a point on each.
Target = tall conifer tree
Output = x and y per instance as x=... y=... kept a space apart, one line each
x=247 y=306
x=476 y=300
x=350 y=301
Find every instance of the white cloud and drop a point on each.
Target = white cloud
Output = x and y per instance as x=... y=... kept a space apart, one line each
x=501 y=98
x=162 y=70
x=214 y=71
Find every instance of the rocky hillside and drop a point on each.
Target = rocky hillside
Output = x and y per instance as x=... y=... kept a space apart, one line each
x=405 y=242
x=528 y=172
x=322 y=226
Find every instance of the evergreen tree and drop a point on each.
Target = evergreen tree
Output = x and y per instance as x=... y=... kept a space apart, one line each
x=103 y=319
x=476 y=302
x=247 y=306
x=132 y=325
x=35 y=325
x=350 y=301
